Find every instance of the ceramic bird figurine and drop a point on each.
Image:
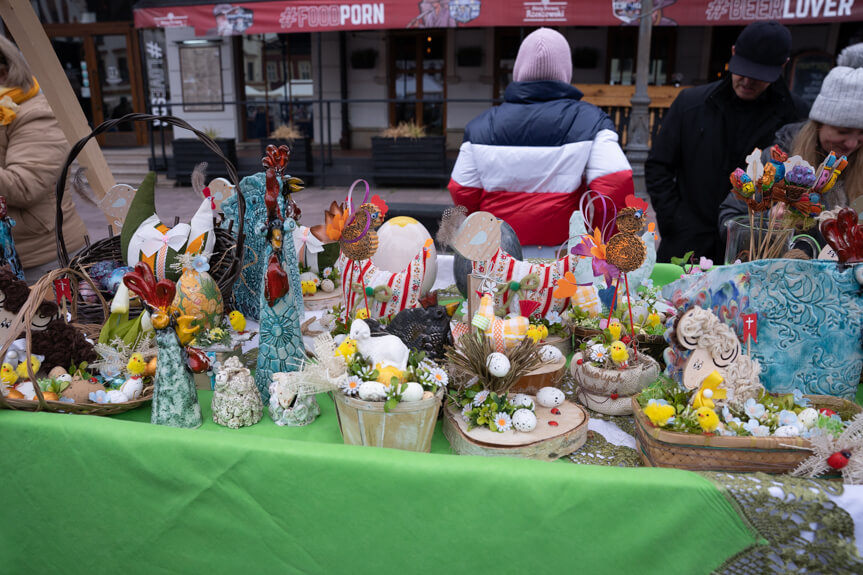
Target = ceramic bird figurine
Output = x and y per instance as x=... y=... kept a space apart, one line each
x=8 y=375
x=707 y=419
x=238 y=321
x=619 y=354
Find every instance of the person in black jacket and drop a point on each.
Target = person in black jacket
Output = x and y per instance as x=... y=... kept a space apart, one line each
x=708 y=132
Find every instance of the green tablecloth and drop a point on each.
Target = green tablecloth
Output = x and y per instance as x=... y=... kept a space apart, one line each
x=109 y=495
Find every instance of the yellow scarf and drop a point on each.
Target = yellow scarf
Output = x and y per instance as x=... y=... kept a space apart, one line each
x=9 y=100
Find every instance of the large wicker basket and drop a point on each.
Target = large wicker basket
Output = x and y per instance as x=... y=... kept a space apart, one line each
x=43 y=289
x=696 y=452
x=226 y=261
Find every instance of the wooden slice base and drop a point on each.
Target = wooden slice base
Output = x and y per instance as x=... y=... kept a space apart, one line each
x=322 y=300
x=546 y=442
x=546 y=375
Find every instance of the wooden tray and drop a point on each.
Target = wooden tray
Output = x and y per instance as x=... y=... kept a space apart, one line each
x=546 y=442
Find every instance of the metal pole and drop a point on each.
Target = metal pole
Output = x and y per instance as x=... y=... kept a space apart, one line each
x=639 y=117
x=321 y=107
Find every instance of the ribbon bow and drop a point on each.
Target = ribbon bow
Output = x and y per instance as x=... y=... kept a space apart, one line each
x=304 y=238
x=152 y=240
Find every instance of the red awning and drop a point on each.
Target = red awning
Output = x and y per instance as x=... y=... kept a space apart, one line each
x=325 y=15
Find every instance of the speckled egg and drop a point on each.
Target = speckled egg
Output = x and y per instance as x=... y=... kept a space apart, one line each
x=550 y=354
x=372 y=391
x=327 y=286
x=809 y=416
x=498 y=364
x=787 y=431
x=550 y=397
x=524 y=420
x=414 y=392
x=522 y=400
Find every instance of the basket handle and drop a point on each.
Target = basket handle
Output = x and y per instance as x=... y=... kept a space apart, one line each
x=63 y=254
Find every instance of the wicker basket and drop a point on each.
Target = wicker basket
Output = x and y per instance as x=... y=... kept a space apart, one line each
x=225 y=263
x=42 y=289
x=696 y=452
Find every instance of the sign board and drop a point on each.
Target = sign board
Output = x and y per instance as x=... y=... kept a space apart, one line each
x=808 y=71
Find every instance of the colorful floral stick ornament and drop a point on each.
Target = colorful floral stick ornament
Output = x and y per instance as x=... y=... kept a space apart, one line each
x=175 y=401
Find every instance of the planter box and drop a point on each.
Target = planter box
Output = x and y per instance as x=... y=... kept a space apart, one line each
x=301 y=163
x=409 y=161
x=189 y=152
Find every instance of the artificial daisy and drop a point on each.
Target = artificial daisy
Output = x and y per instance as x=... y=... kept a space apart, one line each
x=427 y=365
x=502 y=421
x=365 y=373
x=465 y=412
x=598 y=352
x=479 y=398
x=351 y=385
x=328 y=271
x=438 y=377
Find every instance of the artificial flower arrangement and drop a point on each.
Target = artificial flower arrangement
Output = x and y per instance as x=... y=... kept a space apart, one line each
x=326 y=280
x=485 y=377
x=383 y=368
x=650 y=312
x=709 y=410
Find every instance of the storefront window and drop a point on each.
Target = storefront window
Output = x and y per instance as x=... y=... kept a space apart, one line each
x=418 y=67
x=278 y=78
x=623 y=50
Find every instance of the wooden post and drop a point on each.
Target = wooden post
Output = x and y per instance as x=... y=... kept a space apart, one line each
x=22 y=23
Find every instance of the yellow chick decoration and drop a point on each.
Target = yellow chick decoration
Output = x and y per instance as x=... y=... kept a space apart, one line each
x=709 y=391
x=614 y=330
x=707 y=419
x=362 y=314
x=21 y=370
x=308 y=287
x=136 y=364
x=347 y=348
x=238 y=321
x=619 y=354
x=658 y=413
x=653 y=319
x=387 y=373
x=534 y=333
x=543 y=331
x=7 y=374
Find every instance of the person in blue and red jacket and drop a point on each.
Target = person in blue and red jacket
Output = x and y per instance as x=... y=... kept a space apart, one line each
x=529 y=160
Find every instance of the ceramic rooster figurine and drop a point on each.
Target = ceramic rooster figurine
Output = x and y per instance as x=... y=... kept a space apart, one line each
x=175 y=401
x=281 y=347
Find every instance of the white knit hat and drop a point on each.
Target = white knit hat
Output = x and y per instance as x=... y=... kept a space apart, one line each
x=839 y=102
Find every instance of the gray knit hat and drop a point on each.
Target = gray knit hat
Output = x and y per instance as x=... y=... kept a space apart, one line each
x=838 y=103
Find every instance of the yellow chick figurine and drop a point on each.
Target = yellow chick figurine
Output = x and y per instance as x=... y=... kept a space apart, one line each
x=308 y=287
x=653 y=319
x=8 y=375
x=707 y=419
x=238 y=321
x=709 y=391
x=614 y=330
x=543 y=331
x=534 y=333
x=658 y=413
x=387 y=373
x=136 y=364
x=619 y=354
x=362 y=314
x=347 y=348
x=21 y=370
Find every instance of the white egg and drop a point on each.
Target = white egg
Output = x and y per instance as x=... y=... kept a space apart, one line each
x=327 y=286
x=414 y=392
x=524 y=420
x=808 y=417
x=787 y=431
x=117 y=396
x=498 y=364
x=550 y=354
x=372 y=391
x=522 y=400
x=550 y=397
x=400 y=239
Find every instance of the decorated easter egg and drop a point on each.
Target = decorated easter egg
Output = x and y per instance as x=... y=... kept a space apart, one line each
x=522 y=400
x=787 y=431
x=86 y=292
x=399 y=240
x=198 y=295
x=414 y=392
x=111 y=282
x=498 y=364
x=372 y=391
x=550 y=397
x=327 y=286
x=808 y=417
x=550 y=354
x=524 y=420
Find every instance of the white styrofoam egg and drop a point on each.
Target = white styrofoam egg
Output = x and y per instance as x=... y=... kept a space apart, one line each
x=550 y=397
x=414 y=392
x=327 y=286
x=400 y=239
x=550 y=354
x=117 y=396
x=639 y=314
x=787 y=431
x=522 y=400
x=498 y=364
x=524 y=420
x=808 y=417
x=372 y=391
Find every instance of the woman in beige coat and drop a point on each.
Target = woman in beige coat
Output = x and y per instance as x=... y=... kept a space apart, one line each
x=32 y=152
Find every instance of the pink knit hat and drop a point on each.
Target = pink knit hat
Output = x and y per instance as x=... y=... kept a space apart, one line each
x=543 y=55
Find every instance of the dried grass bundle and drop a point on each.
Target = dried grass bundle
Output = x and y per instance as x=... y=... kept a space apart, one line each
x=287 y=132
x=405 y=130
x=468 y=360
